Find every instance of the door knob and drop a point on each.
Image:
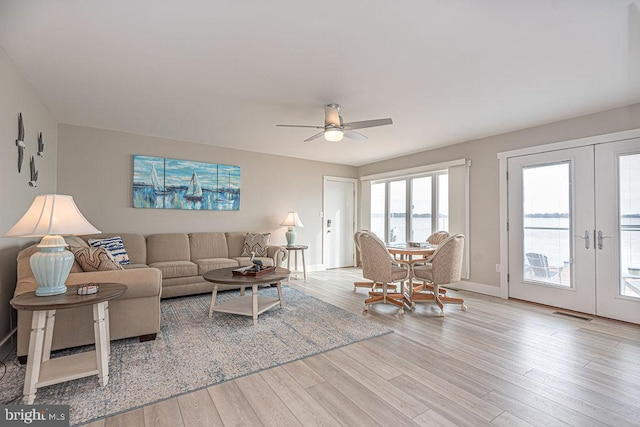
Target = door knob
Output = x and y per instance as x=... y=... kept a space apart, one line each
x=600 y=238
x=585 y=238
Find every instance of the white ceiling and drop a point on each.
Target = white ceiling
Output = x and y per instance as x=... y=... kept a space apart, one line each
x=224 y=72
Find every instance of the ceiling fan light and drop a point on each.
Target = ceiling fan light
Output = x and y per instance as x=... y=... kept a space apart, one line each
x=333 y=135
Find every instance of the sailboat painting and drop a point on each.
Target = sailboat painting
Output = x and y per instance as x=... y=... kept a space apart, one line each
x=183 y=184
x=148 y=182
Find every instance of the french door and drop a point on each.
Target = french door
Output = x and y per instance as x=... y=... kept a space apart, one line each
x=574 y=229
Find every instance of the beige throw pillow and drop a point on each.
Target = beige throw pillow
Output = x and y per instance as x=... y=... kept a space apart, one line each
x=256 y=242
x=94 y=259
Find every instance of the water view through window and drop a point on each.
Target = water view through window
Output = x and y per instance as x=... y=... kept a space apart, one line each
x=389 y=202
x=547 y=225
x=421 y=212
x=629 y=181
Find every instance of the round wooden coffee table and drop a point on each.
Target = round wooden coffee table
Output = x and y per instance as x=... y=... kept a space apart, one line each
x=245 y=305
x=41 y=370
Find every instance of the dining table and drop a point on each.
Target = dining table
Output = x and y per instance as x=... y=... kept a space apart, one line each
x=409 y=252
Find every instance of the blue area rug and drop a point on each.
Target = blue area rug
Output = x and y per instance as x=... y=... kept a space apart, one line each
x=193 y=352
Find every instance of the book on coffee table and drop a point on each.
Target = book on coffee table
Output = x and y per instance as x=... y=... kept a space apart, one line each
x=248 y=271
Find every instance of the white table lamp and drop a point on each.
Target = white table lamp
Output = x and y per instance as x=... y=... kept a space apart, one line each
x=292 y=220
x=51 y=216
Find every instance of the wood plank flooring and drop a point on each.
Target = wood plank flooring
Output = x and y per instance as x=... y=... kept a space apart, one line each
x=502 y=363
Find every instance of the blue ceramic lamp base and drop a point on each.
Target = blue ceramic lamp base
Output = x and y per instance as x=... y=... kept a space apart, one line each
x=291 y=237
x=51 y=266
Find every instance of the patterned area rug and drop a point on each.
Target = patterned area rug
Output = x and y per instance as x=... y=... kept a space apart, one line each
x=193 y=352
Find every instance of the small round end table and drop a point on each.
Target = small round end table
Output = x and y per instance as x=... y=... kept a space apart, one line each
x=43 y=371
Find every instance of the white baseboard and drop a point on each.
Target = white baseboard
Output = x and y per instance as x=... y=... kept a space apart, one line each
x=480 y=288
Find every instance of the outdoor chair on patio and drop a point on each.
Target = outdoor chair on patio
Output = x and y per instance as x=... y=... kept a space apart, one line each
x=379 y=266
x=539 y=266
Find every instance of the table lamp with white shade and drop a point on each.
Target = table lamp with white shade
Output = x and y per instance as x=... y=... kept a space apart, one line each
x=51 y=216
x=292 y=220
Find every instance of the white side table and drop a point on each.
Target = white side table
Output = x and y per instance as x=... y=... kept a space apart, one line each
x=43 y=371
x=295 y=249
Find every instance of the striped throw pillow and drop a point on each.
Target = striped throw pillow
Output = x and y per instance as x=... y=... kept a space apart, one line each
x=114 y=246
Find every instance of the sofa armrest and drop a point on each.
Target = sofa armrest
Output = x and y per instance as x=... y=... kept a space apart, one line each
x=139 y=281
x=278 y=253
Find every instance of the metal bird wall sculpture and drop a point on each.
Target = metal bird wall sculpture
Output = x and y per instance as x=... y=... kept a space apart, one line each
x=34 y=173
x=20 y=142
x=40 y=145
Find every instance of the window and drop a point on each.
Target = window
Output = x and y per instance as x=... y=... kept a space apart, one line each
x=378 y=208
x=402 y=210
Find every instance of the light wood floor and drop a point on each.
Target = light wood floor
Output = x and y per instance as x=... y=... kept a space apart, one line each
x=503 y=363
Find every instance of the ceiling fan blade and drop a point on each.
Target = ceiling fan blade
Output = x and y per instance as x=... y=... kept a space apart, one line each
x=354 y=135
x=316 y=136
x=301 y=126
x=332 y=115
x=368 y=124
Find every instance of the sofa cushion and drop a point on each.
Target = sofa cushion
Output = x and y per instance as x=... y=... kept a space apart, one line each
x=175 y=268
x=168 y=247
x=245 y=260
x=256 y=242
x=94 y=259
x=132 y=266
x=235 y=243
x=208 y=245
x=209 y=264
x=115 y=247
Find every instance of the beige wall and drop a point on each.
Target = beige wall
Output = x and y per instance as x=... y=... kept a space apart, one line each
x=15 y=194
x=484 y=188
x=95 y=166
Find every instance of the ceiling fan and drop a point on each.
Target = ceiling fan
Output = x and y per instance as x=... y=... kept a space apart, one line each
x=334 y=129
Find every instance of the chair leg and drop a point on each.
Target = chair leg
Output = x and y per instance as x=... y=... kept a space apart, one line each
x=452 y=300
x=441 y=299
x=385 y=297
x=427 y=287
x=370 y=285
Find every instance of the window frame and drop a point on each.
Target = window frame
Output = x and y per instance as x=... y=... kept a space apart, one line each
x=408 y=179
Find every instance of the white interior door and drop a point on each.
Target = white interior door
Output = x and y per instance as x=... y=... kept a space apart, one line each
x=339 y=222
x=617 y=230
x=551 y=210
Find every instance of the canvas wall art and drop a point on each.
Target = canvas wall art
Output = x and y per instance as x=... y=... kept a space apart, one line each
x=162 y=183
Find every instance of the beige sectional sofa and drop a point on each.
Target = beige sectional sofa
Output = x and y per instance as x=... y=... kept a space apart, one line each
x=162 y=266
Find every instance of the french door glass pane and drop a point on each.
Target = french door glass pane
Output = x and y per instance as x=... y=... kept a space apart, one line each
x=397 y=211
x=546 y=219
x=629 y=176
x=378 y=209
x=443 y=203
x=421 y=213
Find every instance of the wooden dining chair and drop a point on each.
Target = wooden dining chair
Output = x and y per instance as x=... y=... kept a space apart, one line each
x=442 y=268
x=437 y=237
x=370 y=285
x=379 y=266
x=434 y=239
